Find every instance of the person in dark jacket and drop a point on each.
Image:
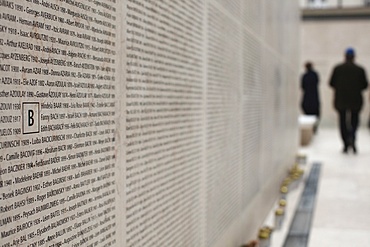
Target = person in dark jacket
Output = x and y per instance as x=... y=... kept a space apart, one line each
x=348 y=81
x=309 y=85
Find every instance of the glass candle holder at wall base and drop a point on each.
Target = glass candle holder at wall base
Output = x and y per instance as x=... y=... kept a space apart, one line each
x=283 y=192
x=264 y=242
x=264 y=237
x=282 y=203
x=279 y=218
x=301 y=159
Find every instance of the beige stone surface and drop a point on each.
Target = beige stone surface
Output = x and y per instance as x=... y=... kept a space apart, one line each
x=169 y=123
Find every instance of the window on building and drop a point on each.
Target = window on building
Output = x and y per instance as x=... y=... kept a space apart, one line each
x=316 y=3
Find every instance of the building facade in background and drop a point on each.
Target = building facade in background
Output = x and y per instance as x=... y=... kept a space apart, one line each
x=334 y=3
x=326 y=33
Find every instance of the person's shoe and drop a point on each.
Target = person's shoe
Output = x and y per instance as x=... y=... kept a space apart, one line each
x=345 y=149
x=354 y=149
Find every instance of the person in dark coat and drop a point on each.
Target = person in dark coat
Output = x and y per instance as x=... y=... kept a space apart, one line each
x=309 y=85
x=348 y=81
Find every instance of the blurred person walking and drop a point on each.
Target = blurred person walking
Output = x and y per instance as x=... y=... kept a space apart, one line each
x=348 y=81
x=309 y=85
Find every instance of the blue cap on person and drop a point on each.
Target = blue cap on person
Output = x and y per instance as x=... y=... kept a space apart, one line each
x=350 y=51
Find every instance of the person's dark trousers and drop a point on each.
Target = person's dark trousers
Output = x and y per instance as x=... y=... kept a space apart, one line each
x=348 y=121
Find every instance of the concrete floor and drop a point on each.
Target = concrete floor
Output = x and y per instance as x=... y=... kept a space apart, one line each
x=342 y=213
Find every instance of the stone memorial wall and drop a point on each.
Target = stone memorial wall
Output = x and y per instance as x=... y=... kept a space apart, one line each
x=143 y=123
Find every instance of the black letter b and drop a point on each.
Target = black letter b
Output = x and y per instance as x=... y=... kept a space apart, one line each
x=31 y=121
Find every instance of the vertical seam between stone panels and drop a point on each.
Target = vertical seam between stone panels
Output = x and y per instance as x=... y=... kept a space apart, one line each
x=204 y=180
